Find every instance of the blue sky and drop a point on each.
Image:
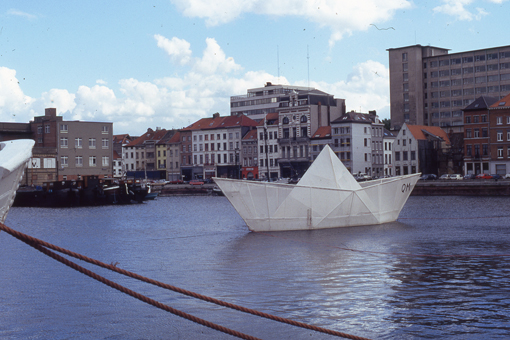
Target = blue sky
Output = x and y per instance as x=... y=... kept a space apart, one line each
x=167 y=63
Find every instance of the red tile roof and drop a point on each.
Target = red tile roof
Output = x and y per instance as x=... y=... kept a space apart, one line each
x=502 y=103
x=322 y=132
x=221 y=122
x=149 y=135
x=251 y=135
x=418 y=131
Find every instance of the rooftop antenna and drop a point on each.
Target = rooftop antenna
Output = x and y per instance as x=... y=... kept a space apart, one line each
x=278 y=61
x=308 y=61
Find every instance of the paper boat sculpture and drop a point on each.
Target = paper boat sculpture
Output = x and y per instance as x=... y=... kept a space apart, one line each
x=327 y=196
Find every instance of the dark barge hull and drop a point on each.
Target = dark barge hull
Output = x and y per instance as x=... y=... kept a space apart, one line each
x=91 y=191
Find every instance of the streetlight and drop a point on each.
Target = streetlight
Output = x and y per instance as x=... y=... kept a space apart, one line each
x=237 y=160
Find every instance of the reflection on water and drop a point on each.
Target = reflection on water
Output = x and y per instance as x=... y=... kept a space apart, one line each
x=419 y=277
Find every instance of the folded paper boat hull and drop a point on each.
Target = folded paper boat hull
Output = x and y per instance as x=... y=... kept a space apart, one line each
x=276 y=207
x=326 y=197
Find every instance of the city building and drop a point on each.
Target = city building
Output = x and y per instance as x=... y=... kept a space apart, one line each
x=140 y=155
x=173 y=157
x=388 y=139
x=352 y=141
x=430 y=86
x=119 y=141
x=319 y=139
x=249 y=166
x=216 y=146
x=67 y=150
x=418 y=148
x=258 y=102
x=269 y=150
x=499 y=134
x=476 y=136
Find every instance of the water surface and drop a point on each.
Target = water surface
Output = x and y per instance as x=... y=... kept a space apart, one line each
x=440 y=271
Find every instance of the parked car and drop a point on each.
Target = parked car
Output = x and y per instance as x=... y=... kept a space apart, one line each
x=444 y=176
x=507 y=176
x=428 y=177
x=456 y=176
x=196 y=182
x=177 y=181
x=496 y=176
x=483 y=176
x=470 y=176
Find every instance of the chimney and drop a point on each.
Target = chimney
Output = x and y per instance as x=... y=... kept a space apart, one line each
x=50 y=112
x=216 y=115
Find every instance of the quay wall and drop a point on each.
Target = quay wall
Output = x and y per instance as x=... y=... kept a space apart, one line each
x=462 y=188
x=422 y=188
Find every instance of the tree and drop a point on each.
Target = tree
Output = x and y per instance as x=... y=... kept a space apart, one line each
x=387 y=123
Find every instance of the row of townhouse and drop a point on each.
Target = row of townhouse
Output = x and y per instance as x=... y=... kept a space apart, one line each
x=239 y=147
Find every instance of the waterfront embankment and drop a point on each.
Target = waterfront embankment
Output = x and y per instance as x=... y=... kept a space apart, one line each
x=422 y=188
x=462 y=188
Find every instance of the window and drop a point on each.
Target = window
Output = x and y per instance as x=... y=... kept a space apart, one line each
x=92 y=143
x=63 y=142
x=397 y=156
x=92 y=160
x=404 y=155
x=499 y=120
x=63 y=128
x=104 y=143
x=285 y=121
x=476 y=133
x=468 y=133
x=413 y=155
x=64 y=161
x=304 y=119
x=500 y=136
x=404 y=56
x=105 y=161
x=500 y=152
x=406 y=77
x=406 y=87
x=79 y=160
x=78 y=143
x=49 y=163
x=104 y=129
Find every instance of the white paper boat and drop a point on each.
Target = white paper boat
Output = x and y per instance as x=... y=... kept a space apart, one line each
x=327 y=196
x=14 y=156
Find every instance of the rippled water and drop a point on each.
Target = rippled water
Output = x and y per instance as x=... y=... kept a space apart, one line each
x=440 y=271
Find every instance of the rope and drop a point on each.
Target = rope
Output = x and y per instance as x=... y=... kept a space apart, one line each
x=42 y=245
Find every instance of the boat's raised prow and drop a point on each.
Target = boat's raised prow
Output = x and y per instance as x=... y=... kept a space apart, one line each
x=326 y=197
x=14 y=155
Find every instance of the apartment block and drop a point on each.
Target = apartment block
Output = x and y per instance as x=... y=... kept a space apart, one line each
x=430 y=86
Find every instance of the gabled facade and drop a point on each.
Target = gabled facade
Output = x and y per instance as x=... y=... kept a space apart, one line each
x=417 y=148
x=140 y=154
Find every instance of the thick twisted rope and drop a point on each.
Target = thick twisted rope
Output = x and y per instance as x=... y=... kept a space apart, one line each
x=42 y=245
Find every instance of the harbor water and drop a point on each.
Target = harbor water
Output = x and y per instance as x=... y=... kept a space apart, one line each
x=441 y=271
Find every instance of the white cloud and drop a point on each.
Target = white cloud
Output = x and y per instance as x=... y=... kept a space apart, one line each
x=19 y=13
x=341 y=16
x=14 y=104
x=458 y=9
x=177 y=49
x=366 y=88
x=175 y=102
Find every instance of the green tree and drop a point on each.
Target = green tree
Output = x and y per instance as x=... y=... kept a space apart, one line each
x=387 y=123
